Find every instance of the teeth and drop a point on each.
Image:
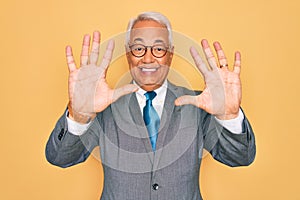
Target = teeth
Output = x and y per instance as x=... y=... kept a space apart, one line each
x=149 y=69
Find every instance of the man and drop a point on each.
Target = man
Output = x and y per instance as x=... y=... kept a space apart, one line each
x=151 y=140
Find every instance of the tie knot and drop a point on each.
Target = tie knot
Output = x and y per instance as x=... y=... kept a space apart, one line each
x=150 y=95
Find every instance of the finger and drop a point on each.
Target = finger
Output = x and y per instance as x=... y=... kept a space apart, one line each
x=221 y=55
x=198 y=61
x=237 y=63
x=70 y=59
x=85 y=50
x=108 y=54
x=95 y=48
x=197 y=101
x=127 y=89
x=186 y=99
x=209 y=54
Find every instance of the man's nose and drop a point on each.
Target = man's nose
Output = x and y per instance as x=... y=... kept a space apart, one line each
x=148 y=57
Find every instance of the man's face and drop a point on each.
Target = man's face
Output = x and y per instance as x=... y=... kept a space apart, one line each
x=148 y=71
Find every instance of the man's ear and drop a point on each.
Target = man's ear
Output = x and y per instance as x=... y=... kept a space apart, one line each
x=128 y=57
x=171 y=53
x=127 y=53
x=172 y=49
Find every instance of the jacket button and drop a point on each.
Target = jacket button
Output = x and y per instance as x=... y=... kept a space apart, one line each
x=155 y=186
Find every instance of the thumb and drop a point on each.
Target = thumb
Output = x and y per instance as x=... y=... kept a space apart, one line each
x=186 y=99
x=126 y=89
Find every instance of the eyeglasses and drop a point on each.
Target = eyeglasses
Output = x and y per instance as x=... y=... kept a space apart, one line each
x=139 y=50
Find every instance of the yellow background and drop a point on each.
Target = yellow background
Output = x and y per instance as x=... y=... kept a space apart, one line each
x=34 y=89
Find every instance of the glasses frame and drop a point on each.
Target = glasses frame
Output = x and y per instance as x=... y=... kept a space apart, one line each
x=146 y=49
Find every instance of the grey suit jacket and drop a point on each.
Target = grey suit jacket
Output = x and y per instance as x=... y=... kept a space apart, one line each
x=131 y=169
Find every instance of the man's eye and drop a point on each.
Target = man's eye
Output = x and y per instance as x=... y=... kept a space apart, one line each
x=138 y=49
x=159 y=49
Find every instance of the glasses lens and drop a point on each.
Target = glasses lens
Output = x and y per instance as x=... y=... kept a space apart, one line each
x=159 y=51
x=138 y=50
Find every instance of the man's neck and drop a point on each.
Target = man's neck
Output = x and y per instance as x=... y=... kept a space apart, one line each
x=151 y=87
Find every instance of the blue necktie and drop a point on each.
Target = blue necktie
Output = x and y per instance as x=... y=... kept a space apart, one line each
x=151 y=118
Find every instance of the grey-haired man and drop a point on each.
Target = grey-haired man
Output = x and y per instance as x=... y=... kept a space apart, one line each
x=151 y=133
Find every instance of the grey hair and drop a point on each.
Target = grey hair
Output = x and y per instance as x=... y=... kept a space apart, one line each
x=155 y=16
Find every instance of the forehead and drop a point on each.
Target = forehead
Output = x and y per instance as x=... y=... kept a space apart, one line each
x=149 y=31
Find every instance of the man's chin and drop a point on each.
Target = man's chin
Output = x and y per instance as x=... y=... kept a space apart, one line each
x=150 y=86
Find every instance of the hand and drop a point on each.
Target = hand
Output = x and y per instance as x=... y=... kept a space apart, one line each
x=89 y=92
x=223 y=92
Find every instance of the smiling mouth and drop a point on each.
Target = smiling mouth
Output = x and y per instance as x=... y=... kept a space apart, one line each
x=149 y=69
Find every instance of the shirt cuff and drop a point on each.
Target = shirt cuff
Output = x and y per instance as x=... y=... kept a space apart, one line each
x=76 y=128
x=233 y=125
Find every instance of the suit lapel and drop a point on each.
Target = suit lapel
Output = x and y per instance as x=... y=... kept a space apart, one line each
x=129 y=119
x=138 y=120
x=170 y=113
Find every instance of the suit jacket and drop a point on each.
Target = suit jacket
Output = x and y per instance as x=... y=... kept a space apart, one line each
x=131 y=169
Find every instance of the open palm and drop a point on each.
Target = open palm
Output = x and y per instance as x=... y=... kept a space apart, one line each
x=89 y=92
x=223 y=92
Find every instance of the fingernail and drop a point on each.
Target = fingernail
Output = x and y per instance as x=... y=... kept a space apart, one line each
x=204 y=43
x=217 y=46
x=96 y=36
x=86 y=40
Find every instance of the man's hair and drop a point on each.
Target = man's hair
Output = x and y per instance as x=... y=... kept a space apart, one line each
x=155 y=16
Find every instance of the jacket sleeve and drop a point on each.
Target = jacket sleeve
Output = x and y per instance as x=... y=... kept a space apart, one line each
x=64 y=149
x=228 y=148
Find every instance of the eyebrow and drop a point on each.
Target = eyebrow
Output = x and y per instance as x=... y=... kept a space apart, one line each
x=141 y=40
x=159 y=41
x=138 y=40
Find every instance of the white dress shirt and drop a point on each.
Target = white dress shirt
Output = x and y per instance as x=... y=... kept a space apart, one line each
x=233 y=125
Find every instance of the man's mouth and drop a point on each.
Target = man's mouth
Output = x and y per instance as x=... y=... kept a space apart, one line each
x=149 y=69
